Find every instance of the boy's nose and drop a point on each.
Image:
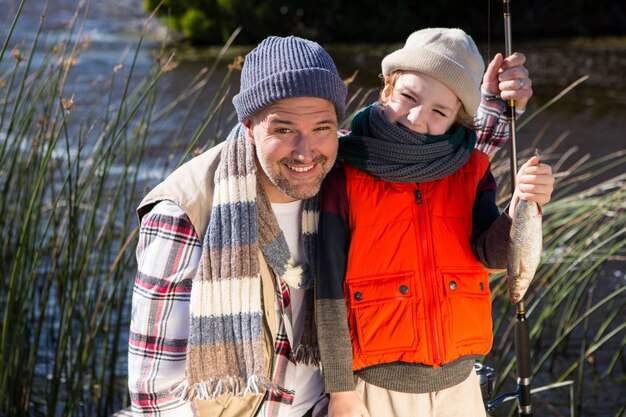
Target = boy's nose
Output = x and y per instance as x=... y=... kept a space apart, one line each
x=417 y=119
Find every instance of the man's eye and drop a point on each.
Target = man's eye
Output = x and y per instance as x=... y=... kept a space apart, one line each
x=281 y=130
x=322 y=128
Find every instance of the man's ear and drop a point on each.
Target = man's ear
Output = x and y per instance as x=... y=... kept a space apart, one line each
x=247 y=127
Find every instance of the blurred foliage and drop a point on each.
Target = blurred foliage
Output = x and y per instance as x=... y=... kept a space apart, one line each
x=334 y=21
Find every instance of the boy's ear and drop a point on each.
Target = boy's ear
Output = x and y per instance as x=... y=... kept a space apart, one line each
x=385 y=93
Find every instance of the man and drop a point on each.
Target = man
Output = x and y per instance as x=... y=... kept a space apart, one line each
x=248 y=280
x=222 y=307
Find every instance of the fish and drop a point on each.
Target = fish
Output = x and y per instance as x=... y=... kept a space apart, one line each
x=526 y=241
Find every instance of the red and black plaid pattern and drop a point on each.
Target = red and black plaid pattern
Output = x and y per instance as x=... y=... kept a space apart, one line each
x=494 y=129
x=168 y=253
x=283 y=355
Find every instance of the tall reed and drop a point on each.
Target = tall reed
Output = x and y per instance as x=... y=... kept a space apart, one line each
x=71 y=173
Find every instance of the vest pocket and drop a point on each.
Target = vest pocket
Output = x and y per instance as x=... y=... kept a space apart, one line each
x=383 y=310
x=469 y=301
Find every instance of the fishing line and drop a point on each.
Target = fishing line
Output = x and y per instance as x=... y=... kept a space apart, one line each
x=488 y=30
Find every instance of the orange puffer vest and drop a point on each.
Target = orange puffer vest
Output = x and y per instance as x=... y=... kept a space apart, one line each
x=415 y=292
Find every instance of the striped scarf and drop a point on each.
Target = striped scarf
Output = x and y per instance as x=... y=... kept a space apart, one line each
x=397 y=154
x=226 y=335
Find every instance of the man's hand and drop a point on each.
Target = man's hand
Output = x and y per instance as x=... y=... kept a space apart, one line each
x=508 y=78
x=346 y=404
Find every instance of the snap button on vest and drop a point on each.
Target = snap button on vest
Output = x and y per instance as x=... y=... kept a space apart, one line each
x=452 y=285
x=481 y=286
x=358 y=296
x=404 y=289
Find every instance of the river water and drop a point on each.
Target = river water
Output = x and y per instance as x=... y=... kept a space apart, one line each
x=592 y=117
x=593 y=114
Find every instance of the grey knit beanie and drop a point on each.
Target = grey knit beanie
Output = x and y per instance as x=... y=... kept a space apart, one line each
x=280 y=68
x=448 y=55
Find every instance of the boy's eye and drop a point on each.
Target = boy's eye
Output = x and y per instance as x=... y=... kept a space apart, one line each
x=408 y=96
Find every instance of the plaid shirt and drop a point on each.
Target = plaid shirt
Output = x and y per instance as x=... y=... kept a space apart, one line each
x=168 y=255
x=494 y=128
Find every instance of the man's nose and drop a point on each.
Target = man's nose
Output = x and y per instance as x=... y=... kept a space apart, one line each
x=303 y=148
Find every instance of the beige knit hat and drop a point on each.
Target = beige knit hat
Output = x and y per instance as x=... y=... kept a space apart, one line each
x=448 y=55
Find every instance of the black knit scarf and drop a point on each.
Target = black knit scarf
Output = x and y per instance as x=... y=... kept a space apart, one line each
x=394 y=153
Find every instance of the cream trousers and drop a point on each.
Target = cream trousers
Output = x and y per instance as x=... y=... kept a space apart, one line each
x=462 y=400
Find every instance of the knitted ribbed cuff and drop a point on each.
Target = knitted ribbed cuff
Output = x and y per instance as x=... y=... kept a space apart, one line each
x=338 y=379
x=335 y=347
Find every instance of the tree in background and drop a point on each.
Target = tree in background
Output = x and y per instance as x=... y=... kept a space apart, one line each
x=363 y=21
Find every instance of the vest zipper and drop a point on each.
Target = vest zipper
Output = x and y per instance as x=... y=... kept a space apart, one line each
x=430 y=296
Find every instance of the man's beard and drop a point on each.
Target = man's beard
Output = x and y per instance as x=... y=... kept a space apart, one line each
x=293 y=187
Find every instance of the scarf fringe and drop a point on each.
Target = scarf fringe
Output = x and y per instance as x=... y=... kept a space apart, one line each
x=216 y=387
x=308 y=355
x=294 y=274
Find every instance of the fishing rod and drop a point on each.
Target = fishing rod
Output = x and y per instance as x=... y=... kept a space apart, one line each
x=522 y=332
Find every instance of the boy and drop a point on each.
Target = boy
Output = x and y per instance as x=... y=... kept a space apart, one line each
x=408 y=226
